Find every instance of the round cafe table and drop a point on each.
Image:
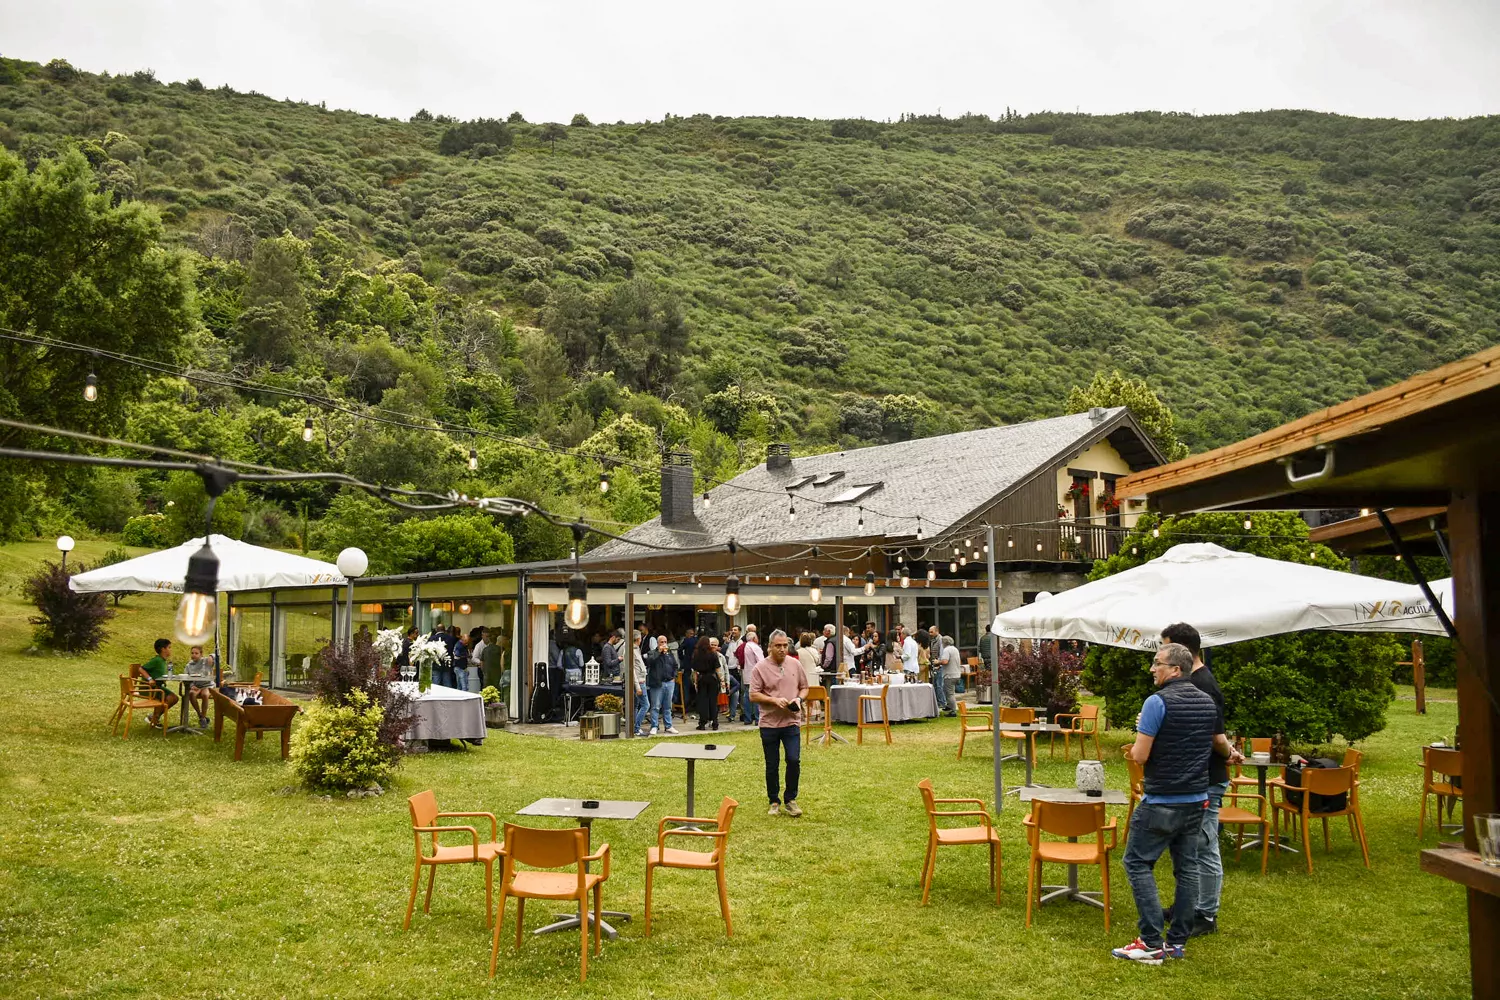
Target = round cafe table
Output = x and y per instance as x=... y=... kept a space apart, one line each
x=905 y=702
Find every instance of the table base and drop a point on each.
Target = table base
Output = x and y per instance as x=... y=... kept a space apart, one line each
x=571 y=921
x=1077 y=895
x=1280 y=844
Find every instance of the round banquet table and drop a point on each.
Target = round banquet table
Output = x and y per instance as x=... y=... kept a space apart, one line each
x=443 y=713
x=905 y=701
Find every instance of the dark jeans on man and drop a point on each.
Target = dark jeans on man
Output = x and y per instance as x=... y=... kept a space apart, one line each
x=1154 y=829
x=772 y=739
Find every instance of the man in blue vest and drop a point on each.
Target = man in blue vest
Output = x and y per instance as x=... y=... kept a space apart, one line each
x=1175 y=736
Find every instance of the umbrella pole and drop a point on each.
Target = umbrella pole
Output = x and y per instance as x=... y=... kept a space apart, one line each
x=989 y=538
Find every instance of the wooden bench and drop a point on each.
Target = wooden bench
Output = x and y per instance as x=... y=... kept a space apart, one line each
x=273 y=715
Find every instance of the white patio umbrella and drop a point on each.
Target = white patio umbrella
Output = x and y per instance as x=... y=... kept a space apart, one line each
x=1228 y=596
x=242 y=566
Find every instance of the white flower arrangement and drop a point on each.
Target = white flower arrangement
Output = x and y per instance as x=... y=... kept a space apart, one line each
x=388 y=644
x=428 y=653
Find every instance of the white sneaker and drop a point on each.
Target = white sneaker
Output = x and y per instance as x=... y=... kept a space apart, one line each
x=653 y=731
x=792 y=809
x=775 y=809
x=671 y=731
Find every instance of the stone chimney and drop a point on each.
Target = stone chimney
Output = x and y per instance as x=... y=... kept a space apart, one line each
x=1097 y=413
x=778 y=456
x=677 y=488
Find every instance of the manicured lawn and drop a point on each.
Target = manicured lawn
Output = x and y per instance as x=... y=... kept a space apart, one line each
x=158 y=867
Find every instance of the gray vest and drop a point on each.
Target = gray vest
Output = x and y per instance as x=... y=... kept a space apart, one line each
x=1178 y=764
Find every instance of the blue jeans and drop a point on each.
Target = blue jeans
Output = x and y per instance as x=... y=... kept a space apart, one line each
x=443 y=676
x=1210 y=864
x=938 y=693
x=772 y=741
x=1154 y=829
x=661 y=705
x=642 y=706
x=749 y=710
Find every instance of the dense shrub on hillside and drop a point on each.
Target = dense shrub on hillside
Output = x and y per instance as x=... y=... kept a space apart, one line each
x=482 y=131
x=66 y=622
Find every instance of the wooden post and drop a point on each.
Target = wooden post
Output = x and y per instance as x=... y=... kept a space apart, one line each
x=1418 y=674
x=1474 y=521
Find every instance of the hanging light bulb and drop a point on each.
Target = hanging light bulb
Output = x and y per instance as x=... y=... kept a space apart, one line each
x=473 y=459
x=861 y=518
x=919 y=527
x=975 y=554
x=91 y=388
x=955 y=551
x=870 y=583
x=1247 y=524
x=1039 y=546
x=1155 y=532
x=198 y=614
x=953 y=567
x=1134 y=551
x=968 y=543
x=1010 y=543
x=603 y=480
x=905 y=578
x=1077 y=539
x=707 y=503
x=931 y=573
x=963 y=560
x=815 y=589
x=732 y=595
x=986 y=548
x=1364 y=512
x=901 y=558
x=791 y=513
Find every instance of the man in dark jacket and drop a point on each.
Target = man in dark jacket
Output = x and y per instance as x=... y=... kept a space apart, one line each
x=661 y=673
x=1210 y=865
x=1175 y=736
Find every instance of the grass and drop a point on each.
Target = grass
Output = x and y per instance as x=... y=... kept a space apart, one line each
x=158 y=867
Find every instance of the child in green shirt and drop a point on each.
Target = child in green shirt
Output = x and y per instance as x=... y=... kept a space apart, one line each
x=154 y=668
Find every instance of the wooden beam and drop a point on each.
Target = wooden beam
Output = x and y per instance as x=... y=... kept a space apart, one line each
x=1474 y=521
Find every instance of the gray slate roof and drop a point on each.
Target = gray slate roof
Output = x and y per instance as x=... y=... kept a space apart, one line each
x=941 y=478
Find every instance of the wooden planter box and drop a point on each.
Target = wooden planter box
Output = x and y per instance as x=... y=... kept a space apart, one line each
x=274 y=715
x=496 y=715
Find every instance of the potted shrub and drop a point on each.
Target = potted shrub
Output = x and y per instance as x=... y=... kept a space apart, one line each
x=980 y=678
x=496 y=712
x=1044 y=678
x=613 y=709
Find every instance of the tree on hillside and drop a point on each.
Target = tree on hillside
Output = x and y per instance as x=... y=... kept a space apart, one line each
x=580 y=120
x=75 y=267
x=1308 y=685
x=839 y=270
x=550 y=133
x=277 y=319
x=646 y=335
x=482 y=131
x=515 y=118
x=1154 y=416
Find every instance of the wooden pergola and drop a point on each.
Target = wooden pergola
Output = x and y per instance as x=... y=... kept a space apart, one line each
x=1432 y=441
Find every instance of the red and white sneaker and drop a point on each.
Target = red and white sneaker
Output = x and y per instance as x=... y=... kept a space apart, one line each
x=1139 y=951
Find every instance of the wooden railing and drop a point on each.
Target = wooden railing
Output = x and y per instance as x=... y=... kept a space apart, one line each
x=1067 y=541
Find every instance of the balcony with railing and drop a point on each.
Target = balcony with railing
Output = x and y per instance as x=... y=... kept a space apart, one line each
x=1066 y=541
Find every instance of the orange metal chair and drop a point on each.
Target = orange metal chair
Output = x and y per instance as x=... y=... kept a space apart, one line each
x=1137 y=787
x=885 y=717
x=681 y=703
x=972 y=720
x=136 y=694
x=965 y=836
x=1233 y=815
x=662 y=856
x=1083 y=724
x=1450 y=765
x=1015 y=716
x=1074 y=820
x=424 y=819
x=1321 y=781
x=550 y=849
x=817 y=695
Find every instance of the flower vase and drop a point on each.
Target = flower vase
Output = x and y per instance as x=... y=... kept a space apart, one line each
x=1090 y=777
x=424 y=677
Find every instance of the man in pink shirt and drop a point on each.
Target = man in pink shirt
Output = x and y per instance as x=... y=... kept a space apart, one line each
x=778 y=686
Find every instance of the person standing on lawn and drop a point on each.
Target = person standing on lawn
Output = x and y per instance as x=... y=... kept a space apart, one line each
x=910 y=664
x=1210 y=864
x=778 y=685
x=750 y=654
x=1174 y=740
x=661 y=669
x=706 y=664
x=946 y=670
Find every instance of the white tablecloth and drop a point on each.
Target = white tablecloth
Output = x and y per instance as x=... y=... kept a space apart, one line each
x=905 y=701
x=444 y=713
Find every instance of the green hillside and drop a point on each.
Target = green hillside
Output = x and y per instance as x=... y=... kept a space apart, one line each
x=834 y=282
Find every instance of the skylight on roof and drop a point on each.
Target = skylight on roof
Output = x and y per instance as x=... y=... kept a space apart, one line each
x=855 y=493
x=799 y=482
x=827 y=478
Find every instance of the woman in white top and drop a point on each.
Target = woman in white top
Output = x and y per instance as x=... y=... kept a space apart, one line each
x=808 y=655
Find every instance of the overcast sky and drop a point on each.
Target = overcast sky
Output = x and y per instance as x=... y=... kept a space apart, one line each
x=875 y=58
